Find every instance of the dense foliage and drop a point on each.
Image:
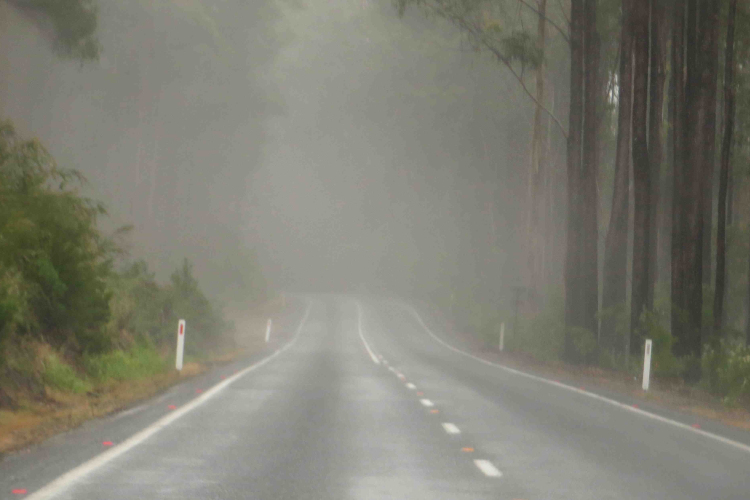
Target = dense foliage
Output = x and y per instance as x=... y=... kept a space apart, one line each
x=64 y=305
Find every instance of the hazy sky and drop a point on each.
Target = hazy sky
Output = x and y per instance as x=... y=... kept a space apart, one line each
x=350 y=148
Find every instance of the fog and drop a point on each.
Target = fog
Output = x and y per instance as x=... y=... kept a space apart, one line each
x=348 y=148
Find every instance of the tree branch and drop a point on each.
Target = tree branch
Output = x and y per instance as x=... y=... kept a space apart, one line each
x=562 y=11
x=476 y=33
x=546 y=18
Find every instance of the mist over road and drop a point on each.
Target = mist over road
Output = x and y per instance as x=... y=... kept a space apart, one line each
x=361 y=400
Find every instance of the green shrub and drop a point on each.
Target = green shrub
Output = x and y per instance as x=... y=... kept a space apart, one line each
x=542 y=336
x=584 y=342
x=728 y=368
x=615 y=330
x=120 y=365
x=663 y=362
x=60 y=375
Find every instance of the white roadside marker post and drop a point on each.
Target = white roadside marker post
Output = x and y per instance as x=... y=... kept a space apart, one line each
x=268 y=330
x=647 y=365
x=180 y=344
x=502 y=336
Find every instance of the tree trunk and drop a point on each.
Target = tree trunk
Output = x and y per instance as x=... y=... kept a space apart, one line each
x=641 y=173
x=726 y=151
x=657 y=64
x=710 y=19
x=590 y=171
x=747 y=324
x=574 y=312
x=678 y=169
x=535 y=235
x=687 y=338
x=614 y=289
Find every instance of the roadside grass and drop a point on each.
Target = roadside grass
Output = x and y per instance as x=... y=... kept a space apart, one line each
x=45 y=392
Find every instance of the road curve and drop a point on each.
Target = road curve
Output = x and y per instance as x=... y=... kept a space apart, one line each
x=360 y=401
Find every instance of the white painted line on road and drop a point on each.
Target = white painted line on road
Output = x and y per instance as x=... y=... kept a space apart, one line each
x=623 y=406
x=73 y=476
x=426 y=402
x=385 y=362
x=411 y=386
x=451 y=429
x=359 y=326
x=487 y=468
x=392 y=369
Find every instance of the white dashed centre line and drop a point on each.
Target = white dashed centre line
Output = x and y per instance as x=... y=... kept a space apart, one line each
x=451 y=429
x=411 y=386
x=487 y=468
x=426 y=402
x=392 y=369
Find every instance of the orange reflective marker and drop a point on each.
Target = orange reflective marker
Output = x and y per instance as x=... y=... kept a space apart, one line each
x=467 y=449
x=198 y=391
x=172 y=407
x=106 y=443
x=19 y=491
x=420 y=393
x=434 y=411
x=635 y=406
x=223 y=377
x=696 y=426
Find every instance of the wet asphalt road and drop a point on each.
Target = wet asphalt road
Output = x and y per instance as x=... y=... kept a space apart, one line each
x=359 y=400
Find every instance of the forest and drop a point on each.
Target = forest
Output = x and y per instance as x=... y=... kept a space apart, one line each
x=577 y=170
x=653 y=142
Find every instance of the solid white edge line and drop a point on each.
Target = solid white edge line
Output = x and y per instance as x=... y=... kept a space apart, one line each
x=638 y=411
x=361 y=336
x=488 y=468
x=63 y=482
x=451 y=428
x=426 y=402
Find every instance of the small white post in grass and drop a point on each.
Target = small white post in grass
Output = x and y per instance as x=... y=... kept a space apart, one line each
x=647 y=365
x=180 y=344
x=502 y=336
x=268 y=330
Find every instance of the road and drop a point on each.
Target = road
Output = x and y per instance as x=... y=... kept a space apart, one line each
x=362 y=400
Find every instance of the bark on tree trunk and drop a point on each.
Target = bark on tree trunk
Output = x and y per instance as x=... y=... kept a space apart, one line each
x=726 y=151
x=709 y=81
x=687 y=338
x=678 y=169
x=590 y=171
x=657 y=64
x=535 y=234
x=614 y=289
x=574 y=312
x=641 y=173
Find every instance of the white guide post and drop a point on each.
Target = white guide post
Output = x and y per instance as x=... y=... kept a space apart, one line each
x=180 y=344
x=502 y=336
x=647 y=365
